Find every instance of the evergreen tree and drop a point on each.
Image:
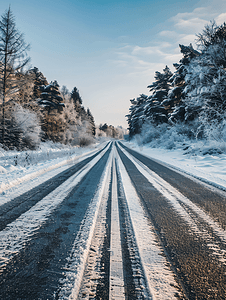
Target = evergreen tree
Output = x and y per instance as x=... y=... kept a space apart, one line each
x=161 y=84
x=136 y=117
x=53 y=122
x=39 y=81
x=110 y=131
x=91 y=121
x=155 y=111
x=174 y=102
x=206 y=80
x=13 y=57
x=51 y=97
x=75 y=96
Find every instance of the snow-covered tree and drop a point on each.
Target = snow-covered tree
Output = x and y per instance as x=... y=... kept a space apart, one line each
x=75 y=96
x=136 y=117
x=91 y=121
x=154 y=110
x=51 y=99
x=29 y=125
x=39 y=81
x=51 y=102
x=13 y=58
x=110 y=131
x=206 y=80
x=174 y=102
x=64 y=91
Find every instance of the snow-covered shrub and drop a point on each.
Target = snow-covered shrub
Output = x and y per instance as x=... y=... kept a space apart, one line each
x=82 y=136
x=100 y=133
x=29 y=125
x=163 y=135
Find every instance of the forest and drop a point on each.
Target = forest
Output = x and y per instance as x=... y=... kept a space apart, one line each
x=33 y=110
x=187 y=104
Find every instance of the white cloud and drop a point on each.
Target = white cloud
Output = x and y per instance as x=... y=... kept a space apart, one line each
x=182 y=29
x=221 y=19
x=137 y=63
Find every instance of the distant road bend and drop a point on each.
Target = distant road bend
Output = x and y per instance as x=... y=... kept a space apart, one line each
x=116 y=225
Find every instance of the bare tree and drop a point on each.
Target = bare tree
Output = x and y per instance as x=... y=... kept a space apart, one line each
x=13 y=58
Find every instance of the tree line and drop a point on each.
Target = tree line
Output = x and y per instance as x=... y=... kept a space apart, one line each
x=190 y=101
x=31 y=108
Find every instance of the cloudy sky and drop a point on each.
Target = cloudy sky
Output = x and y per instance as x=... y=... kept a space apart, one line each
x=109 y=49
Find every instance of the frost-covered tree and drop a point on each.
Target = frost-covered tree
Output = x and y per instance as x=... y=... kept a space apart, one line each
x=39 y=81
x=154 y=110
x=174 y=102
x=91 y=121
x=29 y=125
x=13 y=58
x=136 y=117
x=161 y=85
x=110 y=131
x=192 y=101
x=69 y=114
x=75 y=96
x=77 y=100
x=53 y=122
x=51 y=99
x=64 y=91
x=206 y=80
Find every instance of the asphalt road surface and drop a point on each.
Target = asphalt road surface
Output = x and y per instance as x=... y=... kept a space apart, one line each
x=116 y=225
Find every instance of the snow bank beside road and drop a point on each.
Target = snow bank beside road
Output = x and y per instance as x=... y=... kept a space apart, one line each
x=208 y=168
x=13 y=178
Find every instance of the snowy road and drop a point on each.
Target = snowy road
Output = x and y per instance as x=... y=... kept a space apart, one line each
x=114 y=225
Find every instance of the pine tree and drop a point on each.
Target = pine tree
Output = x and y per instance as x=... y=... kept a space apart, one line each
x=136 y=117
x=91 y=121
x=51 y=99
x=174 y=103
x=13 y=58
x=206 y=80
x=39 y=81
x=155 y=111
x=53 y=122
x=75 y=96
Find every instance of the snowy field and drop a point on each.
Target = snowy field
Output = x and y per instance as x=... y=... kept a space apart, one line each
x=208 y=168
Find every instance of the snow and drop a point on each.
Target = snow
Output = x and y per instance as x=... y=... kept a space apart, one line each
x=207 y=168
x=174 y=197
x=160 y=278
x=79 y=253
x=21 y=171
x=13 y=237
x=116 y=289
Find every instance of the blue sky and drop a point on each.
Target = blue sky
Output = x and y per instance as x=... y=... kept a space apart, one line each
x=109 y=50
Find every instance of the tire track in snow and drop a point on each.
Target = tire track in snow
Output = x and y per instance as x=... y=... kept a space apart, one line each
x=209 y=199
x=16 y=234
x=74 y=269
x=19 y=205
x=176 y=198
x=117 y=289
x=191 y=258
x=159 y=277
x=95 y=282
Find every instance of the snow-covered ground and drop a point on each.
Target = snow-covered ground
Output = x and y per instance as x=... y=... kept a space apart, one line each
x=21 y=171
x=208 y=168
